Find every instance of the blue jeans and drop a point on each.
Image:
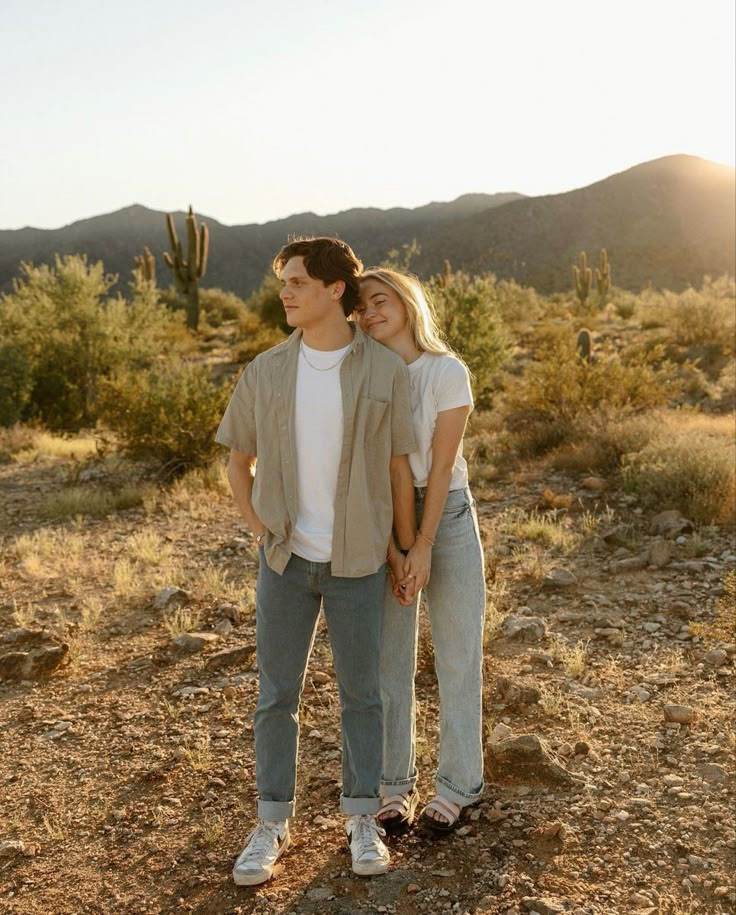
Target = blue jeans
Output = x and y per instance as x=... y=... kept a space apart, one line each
x=287 y=609
x=456 y=603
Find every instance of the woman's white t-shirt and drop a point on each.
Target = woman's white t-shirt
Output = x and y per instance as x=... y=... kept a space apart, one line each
x=438 y=382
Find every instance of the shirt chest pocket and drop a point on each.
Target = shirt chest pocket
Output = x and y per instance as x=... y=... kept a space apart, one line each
x=373 y=415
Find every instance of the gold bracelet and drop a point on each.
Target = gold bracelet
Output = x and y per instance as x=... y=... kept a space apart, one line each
x=430 y=540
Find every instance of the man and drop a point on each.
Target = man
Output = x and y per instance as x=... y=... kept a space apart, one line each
x=327 y=416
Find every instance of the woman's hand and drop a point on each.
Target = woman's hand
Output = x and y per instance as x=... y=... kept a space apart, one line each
x=417 y=567
x=396 y=562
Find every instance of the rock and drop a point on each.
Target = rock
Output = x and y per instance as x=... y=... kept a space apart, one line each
x=581 y=748
x=716 y=658
x=713 y=773
x=42 y=654
x=223 y=627
x=499 y=733
x=514 y=692
x=524 y=628
x=670 y=524
x=679 y=714
x=12 y=848
x=596 y=484
x=230 y=612
x=543 y=905
x=169 y=598
x=413 y=888
x=194 y=641
x=242 y=654
x=615 y=536
x=638 y=692
x=660 y=553
x=559 y=578
x=632 y=564
x=141 y=663
x=527 y=758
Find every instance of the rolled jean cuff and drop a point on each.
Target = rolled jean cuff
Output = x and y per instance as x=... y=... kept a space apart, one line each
x=353 y=806
x=275 y=810
x=451 y=793
x=399 y=785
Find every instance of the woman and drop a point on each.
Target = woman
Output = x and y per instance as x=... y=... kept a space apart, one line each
x=446 y=561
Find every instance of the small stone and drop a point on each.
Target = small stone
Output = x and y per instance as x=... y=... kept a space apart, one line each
x=242 y=654
x=223 y=627
x=670 y=523
x=499 y=733
x=679 y=714
x=559 y=578
x=413 y=888
x=11 y=848
x=713 y=773
x=169 y=598
x=660 y=553
x=716 y=658
x=194 y=641
x=596 y=484
x=524 y=628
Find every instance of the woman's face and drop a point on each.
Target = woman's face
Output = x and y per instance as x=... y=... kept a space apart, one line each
x=381 y=314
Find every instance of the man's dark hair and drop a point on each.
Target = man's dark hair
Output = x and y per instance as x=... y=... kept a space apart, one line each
x=326 y=259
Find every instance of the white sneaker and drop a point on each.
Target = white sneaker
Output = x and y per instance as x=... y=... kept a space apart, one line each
x=265 y=845
x=370 y=855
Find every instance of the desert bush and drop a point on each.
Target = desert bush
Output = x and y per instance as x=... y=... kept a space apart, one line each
x=64 y=335
x=218 y=306
x=560 y=394
x=469 y=316
x=167 y=415
x=690 y=466
x=255 y=336
x=16 y=383
x=266 y=303
x=14 y=440
x=704 y=316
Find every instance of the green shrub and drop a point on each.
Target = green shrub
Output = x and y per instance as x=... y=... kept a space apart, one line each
x=16 y=382
x=255 y=336
x=219 y=306
x=560 y=394
x=693 y=470
x=469 y=316
x=67 y=335
x=166 y=415
x=266 y=303
x=705 y=316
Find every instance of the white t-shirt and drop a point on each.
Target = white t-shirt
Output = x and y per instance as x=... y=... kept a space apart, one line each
x=319 y=429
x=438 y=382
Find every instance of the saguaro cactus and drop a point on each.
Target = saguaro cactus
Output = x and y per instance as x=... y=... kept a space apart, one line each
x=189 y=270
x=585 y=344
x=603 y=279
x=582 y=276
x=145 y=264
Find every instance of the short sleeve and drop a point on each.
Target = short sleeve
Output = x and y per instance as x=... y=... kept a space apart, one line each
x=237 y=428
x=453 y=386
x=402 y=424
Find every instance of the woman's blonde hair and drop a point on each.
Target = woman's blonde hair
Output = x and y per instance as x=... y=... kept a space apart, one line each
x=420 y=310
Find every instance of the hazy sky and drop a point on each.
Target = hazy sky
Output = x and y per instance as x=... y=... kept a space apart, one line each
x=256 y=109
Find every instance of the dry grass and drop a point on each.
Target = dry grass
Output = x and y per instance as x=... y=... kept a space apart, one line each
x=148 y=548
x=93 y=502
x=574 y=658
x=181 y=620
x=543 y=530
x=25 y=446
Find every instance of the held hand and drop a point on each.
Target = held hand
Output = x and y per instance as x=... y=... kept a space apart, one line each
x=396 y=570
x=417 y=566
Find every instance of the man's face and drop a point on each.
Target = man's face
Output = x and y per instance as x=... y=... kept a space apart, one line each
x=307 y=301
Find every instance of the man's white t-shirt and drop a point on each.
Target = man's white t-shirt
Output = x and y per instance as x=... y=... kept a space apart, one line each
x=319 y=430
x=438 y=382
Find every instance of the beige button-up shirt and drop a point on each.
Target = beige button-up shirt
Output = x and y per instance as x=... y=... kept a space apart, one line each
x=377 y=423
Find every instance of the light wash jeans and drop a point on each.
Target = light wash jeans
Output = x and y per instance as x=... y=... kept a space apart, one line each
x=287 y=610
x=456 y=602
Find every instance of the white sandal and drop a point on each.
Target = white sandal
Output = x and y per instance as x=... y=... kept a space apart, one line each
x=447 y=809
x=397 y=812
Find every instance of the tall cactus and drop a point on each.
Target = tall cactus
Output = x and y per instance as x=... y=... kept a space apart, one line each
x=582 y=276
x=603 y=279
x=584 y=345
x=190 y=270
x=145 y=264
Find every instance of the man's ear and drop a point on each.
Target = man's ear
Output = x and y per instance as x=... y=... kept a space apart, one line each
x=338 y=290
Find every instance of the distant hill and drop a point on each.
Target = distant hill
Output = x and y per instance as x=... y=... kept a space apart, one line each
x=668 y=222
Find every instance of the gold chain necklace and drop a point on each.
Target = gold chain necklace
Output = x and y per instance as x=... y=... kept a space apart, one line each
x=329 y=367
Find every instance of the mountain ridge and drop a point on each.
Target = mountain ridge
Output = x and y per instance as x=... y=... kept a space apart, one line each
x=668 y=222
